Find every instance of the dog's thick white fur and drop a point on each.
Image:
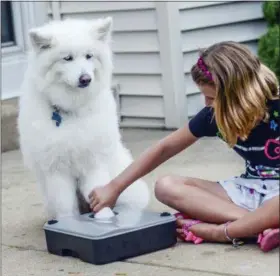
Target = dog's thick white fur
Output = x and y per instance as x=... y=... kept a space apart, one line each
x=85 y=150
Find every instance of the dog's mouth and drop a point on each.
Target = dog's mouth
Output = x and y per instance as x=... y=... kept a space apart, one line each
x=83 y=85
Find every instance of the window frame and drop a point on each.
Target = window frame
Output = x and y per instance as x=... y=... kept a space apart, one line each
x=17 y=17
x=14 y=58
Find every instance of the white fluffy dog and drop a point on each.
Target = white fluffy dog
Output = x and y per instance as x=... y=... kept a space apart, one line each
x=68 y=124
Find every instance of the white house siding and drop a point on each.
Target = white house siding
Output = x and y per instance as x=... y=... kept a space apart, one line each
x=137 y=65
x=155 y=45
x=205 y=23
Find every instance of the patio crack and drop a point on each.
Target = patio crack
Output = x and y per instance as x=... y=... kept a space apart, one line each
x=24 y=248
x=184 y=269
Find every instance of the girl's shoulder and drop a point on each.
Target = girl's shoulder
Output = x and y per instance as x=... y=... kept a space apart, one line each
x=203 y=123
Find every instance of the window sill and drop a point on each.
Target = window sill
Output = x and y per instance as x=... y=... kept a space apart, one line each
x=11 y=50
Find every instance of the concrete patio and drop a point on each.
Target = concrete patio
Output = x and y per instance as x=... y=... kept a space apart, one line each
x=23 y=242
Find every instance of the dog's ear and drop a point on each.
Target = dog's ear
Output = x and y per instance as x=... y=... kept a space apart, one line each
x=104 y=29
x=38 y=40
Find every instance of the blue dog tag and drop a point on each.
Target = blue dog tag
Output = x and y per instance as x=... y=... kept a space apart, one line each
x=57 y=118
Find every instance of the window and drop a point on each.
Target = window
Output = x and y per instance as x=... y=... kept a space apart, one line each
x=7 y=26
x=17 y=17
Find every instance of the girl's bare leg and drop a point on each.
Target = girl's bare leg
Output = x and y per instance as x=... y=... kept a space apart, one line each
x=253 y=223
x=199 y=199
x=265 y=217
x=207 y=201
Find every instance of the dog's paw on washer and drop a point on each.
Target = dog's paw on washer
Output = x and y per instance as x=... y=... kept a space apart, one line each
x=104 y=214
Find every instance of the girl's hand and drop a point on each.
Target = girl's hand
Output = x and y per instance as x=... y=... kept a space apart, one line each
x=103 y=197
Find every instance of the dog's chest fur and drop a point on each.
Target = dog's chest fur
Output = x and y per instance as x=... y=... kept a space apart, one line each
x=77 y=144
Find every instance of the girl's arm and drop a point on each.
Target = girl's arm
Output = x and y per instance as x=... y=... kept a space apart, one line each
x=153 y=157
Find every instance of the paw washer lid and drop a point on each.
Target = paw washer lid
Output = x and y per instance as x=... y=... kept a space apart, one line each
x=124 y=221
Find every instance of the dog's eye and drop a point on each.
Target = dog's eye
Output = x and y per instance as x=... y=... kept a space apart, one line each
x=88 y=56
x=68 y=58
x=45 y=46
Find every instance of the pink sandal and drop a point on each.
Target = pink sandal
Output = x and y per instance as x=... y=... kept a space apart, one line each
x=269 y=240
x=189 y=236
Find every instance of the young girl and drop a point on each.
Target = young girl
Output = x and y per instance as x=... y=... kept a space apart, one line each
x=242 y=108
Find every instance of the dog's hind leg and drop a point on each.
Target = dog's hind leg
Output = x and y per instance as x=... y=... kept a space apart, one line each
x=61 y=195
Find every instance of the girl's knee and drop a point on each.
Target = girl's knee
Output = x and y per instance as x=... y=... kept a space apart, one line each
x=167 y=188
x=163 y=187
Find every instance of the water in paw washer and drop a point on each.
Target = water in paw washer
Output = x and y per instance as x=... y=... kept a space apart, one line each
x=110 y=235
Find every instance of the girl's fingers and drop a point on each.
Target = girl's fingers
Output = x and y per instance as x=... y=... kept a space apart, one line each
x=94 y=203
x=97 y=208
x=91 y=195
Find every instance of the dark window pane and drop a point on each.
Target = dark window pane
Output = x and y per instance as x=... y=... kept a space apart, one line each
x=7 y=29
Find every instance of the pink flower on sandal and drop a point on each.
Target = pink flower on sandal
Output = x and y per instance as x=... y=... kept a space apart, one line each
x=269 y=239
x=189 y=236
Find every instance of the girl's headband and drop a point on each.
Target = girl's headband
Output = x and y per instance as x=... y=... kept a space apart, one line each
x=202 y=66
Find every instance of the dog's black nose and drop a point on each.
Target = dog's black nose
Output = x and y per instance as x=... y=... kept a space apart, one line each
x=84 y=80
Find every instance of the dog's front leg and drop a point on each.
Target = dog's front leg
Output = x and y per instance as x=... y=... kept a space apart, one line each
x=61 y=195
x=98 y=176
x=135 y=195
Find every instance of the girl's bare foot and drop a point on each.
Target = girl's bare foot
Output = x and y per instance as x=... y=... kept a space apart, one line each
x=206 y=231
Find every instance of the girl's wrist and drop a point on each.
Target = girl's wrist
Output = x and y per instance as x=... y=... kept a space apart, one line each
x=116 y=186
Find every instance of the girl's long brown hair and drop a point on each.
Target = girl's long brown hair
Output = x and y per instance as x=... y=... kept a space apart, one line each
x=243 y=85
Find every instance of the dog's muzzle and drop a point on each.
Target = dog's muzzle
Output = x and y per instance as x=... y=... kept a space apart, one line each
x=84 y=81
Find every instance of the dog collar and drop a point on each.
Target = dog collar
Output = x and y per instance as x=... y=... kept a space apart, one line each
x=56 y=115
